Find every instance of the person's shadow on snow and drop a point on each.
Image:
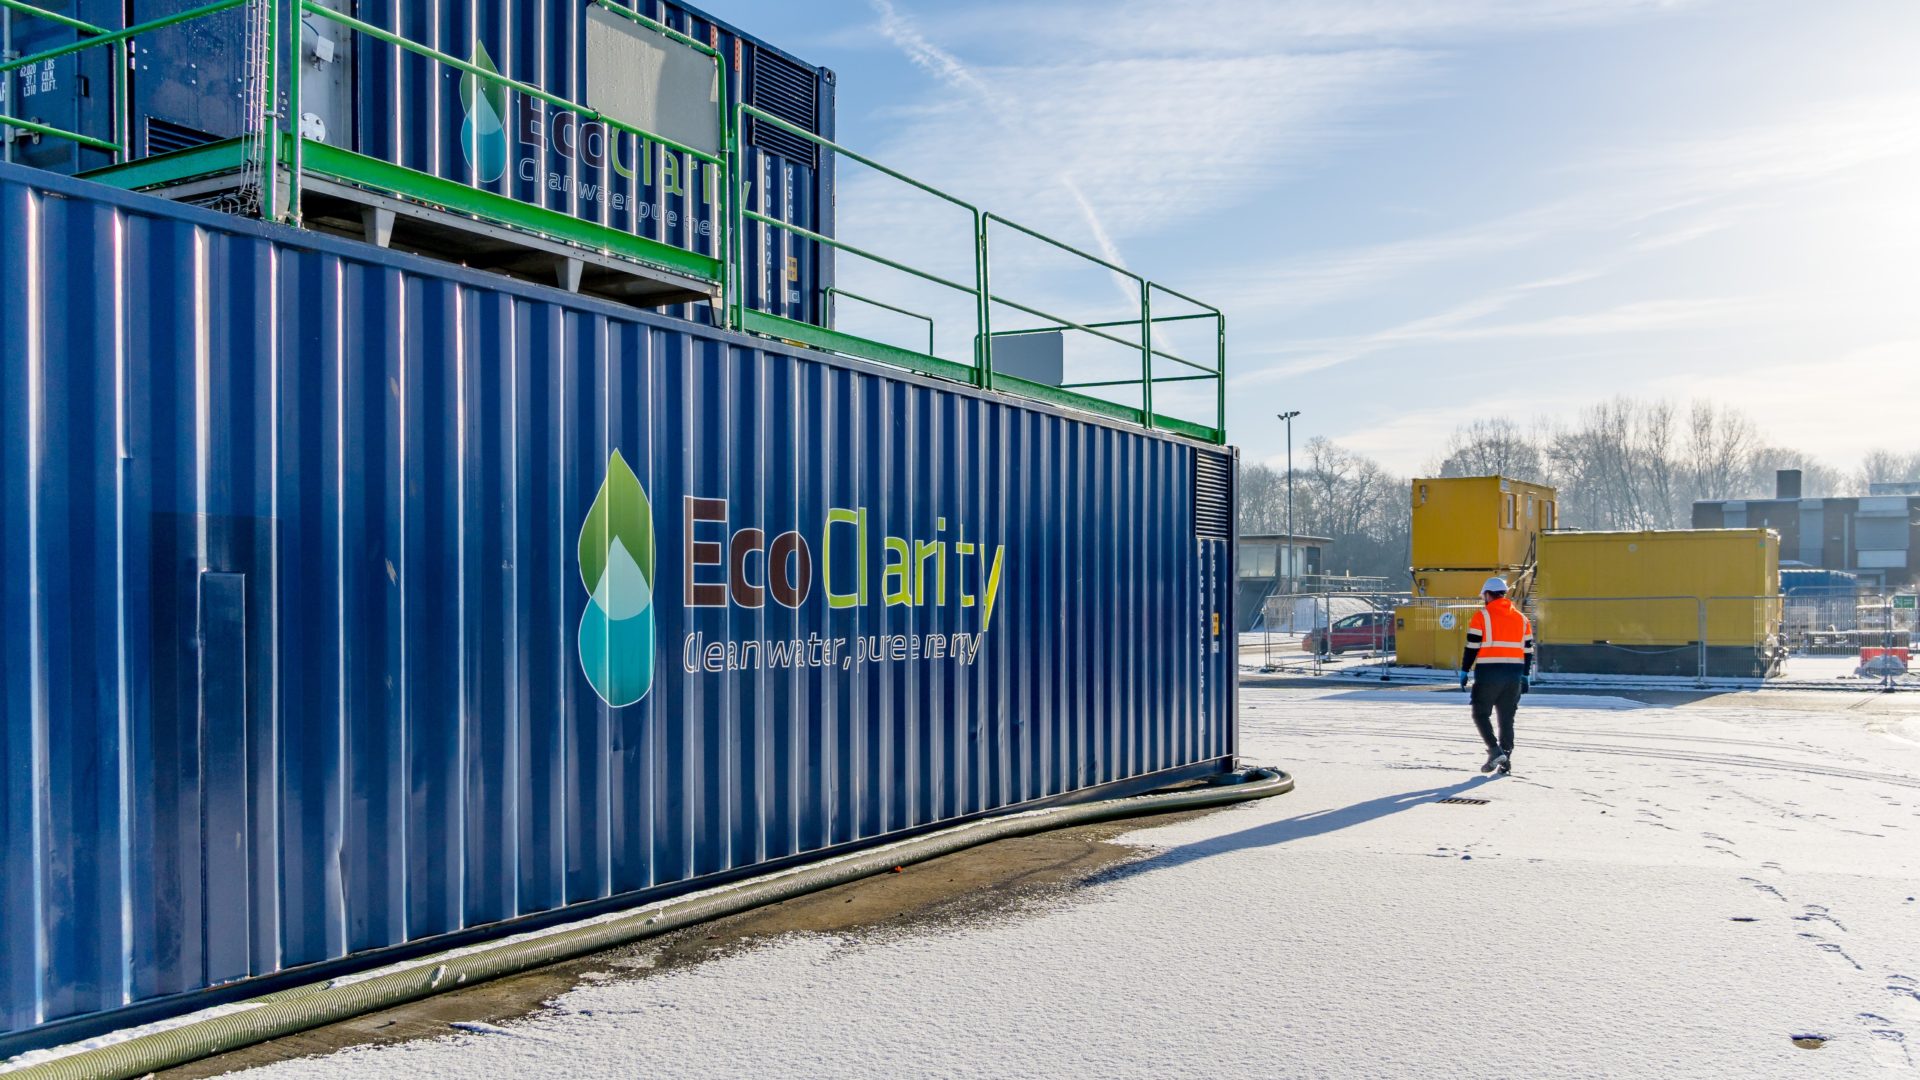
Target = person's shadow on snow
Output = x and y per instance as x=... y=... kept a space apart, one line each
x=1271 y=833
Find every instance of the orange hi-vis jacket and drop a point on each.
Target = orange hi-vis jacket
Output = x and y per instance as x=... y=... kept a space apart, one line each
x=1500 y=634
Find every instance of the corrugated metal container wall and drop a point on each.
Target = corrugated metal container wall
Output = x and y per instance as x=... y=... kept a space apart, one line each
x=329 y=566
x=409 y=111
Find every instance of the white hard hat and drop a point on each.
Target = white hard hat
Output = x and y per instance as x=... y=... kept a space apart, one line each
x=1495 y=584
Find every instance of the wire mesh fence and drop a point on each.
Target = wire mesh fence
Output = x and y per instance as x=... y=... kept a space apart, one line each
x=1316 y=630
x=1860 y=642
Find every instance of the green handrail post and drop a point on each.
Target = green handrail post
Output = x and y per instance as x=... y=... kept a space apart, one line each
x=1220 y=411
x=737 y=239
x=722 y=209
x=1146 y=353
x=122 y=122
x=983 y=306
x=270 y=117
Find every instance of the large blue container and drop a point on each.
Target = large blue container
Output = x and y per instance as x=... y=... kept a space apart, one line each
x=355 y=603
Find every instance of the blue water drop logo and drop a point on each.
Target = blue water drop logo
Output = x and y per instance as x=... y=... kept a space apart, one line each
x=483 y=135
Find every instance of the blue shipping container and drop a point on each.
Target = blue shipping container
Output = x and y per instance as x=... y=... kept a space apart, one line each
x=359 y=604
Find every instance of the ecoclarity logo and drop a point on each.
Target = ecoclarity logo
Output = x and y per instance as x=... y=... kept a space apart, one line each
x=645 y=173
x=483 y=136
x=617 y=568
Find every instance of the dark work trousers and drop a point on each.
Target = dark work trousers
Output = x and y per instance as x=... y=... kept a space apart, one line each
x=1496 y=688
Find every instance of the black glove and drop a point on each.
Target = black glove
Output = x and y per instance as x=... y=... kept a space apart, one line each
x=1525 y=683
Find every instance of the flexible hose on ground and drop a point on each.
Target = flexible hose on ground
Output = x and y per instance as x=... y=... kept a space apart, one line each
x=276 y=1015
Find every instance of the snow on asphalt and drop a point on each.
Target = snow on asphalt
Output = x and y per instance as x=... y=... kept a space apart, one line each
x=1672 y=892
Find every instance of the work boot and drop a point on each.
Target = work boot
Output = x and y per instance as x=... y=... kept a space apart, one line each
x=1503 y=764
x=1494 y=757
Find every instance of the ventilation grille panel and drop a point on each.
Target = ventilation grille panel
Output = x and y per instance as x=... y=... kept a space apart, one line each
x=790 y=92
x=165 y=137
x=1212 y=496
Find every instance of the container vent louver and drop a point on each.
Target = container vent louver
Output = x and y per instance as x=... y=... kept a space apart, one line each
x=1212 y=496
x=790 y=92
x=165 y=136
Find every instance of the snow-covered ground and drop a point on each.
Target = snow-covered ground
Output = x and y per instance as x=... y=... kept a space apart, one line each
x=1656 y=892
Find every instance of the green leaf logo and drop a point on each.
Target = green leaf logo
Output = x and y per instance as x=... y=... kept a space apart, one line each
x=617 y=569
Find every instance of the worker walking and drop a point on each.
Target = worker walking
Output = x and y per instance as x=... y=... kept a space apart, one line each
x=1499 y=658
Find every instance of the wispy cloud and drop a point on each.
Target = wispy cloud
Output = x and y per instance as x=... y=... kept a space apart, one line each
x=1178 y=125
x=1458 y=325
x=1208 y=29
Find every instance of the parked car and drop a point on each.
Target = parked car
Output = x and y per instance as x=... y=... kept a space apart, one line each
x=1369 y=631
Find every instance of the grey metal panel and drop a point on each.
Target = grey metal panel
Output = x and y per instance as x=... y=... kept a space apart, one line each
x=1813 y=532
x=639 y=77
x=1034 y=355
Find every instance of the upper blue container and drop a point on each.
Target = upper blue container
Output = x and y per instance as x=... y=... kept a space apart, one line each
x=186 y=89
x=357 y=603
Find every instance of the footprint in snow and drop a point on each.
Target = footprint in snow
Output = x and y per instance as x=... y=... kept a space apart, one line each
x=1906 y=995
x=1886 y=1044
x=1765 y=888
x=1832 y=951
x=1818 y=913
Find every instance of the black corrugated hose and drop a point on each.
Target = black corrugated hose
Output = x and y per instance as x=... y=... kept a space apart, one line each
x=276 y=1015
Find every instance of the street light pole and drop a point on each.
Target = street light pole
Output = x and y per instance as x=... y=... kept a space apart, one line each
x=1292 y=581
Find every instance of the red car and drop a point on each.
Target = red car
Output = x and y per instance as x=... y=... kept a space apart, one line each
x=1370 y=631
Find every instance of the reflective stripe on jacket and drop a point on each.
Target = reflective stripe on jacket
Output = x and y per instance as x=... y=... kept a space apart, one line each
x=1500 y=634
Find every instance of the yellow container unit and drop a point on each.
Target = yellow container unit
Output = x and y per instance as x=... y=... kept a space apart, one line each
x=1646 y=602
x=1432 y=635
x=1478 y=522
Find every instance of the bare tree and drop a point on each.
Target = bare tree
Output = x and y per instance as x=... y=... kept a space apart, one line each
x=1818 y=480
x=1624 y=463
x=1493 y=447
x=1721 y=444
x=1614 y=467
x=1883 y=466
x=1347 y=497
x=1263 y=499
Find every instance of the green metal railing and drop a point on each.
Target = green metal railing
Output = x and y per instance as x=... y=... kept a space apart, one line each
x=291 y=157
x=982 y=371
x=832 y=291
